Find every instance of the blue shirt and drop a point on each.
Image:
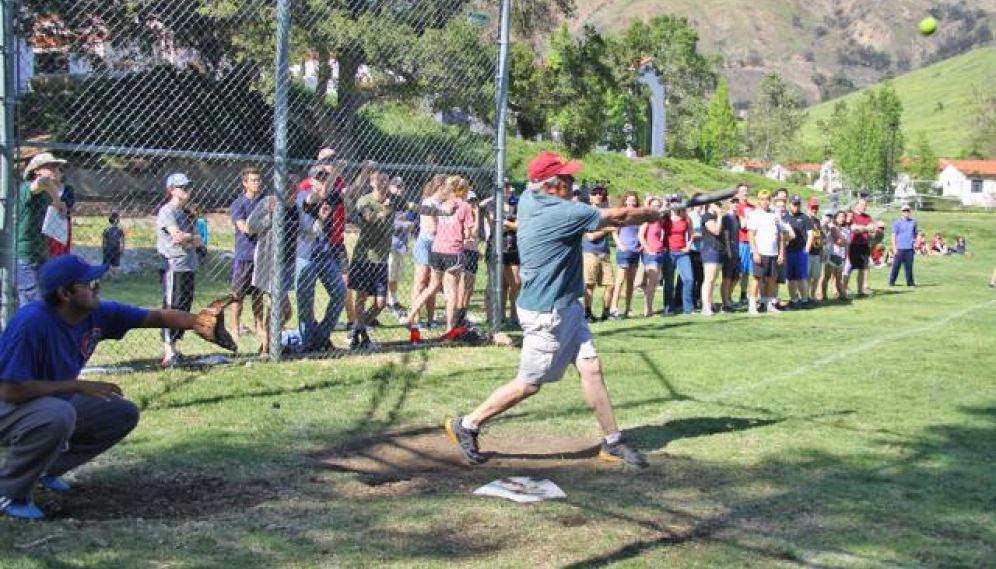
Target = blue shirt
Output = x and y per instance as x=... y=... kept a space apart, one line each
x=600 y=245
x=904 y=233
x=39 y=345
x=245 y=244
x=550 y=231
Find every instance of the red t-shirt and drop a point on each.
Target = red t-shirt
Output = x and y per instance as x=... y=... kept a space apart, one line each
x=742 y=211
x=865 y=220
x=677 y=234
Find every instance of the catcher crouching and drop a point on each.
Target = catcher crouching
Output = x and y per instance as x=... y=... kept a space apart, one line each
x=50 y=421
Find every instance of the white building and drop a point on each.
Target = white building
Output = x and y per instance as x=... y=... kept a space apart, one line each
x=973 y=182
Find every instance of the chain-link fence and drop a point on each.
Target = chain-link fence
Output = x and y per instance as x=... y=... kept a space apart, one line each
x=199 y=167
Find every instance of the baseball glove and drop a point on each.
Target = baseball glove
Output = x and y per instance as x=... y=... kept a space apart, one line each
x=210 y=324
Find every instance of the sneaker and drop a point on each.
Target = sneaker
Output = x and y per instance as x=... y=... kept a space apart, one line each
x=465 y=440
x=21 y=511
x=54 y=484
x=615 y=316
x=622 y=452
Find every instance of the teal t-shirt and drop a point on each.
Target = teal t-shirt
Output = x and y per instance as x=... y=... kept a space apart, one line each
x=550 y=231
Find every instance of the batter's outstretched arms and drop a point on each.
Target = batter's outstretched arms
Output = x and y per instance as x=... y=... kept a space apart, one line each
x=624 y=216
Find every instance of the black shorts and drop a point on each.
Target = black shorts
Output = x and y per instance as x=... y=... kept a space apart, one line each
x=178 y=294
x=112 y=258
x=445 y=263
x=470 y=259
x=767 y=268
x=242 y=278
x=370 y=278
x=859 y=254
x=510 y=259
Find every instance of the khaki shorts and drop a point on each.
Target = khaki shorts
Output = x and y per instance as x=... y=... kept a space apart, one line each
x=551 y=341
x=597 y=269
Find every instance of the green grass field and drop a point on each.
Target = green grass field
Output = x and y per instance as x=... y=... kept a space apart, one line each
x=939 y=100
x=857 y=435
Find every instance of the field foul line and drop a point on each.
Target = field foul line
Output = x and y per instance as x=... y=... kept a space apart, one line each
x=835 y=358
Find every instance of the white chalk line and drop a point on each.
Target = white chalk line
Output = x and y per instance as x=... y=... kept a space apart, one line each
x=839 y=356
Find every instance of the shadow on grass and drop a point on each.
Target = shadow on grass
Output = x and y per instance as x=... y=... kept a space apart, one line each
x=930 y=503
x=656 y=437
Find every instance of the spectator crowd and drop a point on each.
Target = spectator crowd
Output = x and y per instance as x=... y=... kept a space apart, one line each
x=759 y=252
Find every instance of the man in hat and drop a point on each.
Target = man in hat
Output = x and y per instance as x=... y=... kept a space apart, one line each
x=51 y=421
x=41 y=188
x=316 y=259
x=815 y=271
x=550 y=231
x=904 y=232
x=177 y=242
x=797 y=253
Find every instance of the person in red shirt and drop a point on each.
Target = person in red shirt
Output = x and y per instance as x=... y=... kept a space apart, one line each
x=678 y=232
x=859 y=251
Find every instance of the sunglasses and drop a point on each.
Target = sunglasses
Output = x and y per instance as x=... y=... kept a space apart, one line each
x=92 y=285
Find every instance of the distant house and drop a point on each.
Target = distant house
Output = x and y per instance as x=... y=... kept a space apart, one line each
x=971 y=181
x=53 y=50
x=747 y=166
x=829 y=180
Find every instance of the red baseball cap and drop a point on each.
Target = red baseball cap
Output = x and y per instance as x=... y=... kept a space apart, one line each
x=813 y=202
x=550 y=164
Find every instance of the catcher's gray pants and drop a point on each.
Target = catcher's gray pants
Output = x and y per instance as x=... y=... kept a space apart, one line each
x=52 y=436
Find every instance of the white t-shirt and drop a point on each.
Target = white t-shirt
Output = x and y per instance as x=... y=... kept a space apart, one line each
x=765 y=226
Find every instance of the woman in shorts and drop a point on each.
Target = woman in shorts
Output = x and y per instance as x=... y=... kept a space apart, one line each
x=837 y=238
x=431 y=198
x=654 y=252
x=446 y=256
x=628 y=251
x=713 y=253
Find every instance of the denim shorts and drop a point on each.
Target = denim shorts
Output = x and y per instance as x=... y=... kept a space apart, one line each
x=420 y=253
x=627 y=259
x=653 y=259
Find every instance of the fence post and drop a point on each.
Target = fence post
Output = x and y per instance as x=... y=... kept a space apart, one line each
x=497 y=235
x=279 y=176
x=8 y=186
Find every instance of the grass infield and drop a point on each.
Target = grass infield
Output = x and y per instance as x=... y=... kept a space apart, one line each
x=858 y=435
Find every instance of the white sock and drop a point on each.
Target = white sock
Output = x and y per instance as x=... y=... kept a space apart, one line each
x=466 y=424
x=613 y=438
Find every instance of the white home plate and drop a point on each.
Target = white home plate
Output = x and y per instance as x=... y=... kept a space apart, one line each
x=522 y=489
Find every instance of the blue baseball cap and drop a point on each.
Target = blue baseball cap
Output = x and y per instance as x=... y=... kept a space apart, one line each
x=66 y=270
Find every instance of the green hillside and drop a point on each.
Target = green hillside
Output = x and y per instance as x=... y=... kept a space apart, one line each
x=938 y=100
x=646 y=176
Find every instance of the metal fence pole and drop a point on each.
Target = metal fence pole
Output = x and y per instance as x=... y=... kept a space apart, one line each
x=279 y=175
x=8 y=187
x=497 y=308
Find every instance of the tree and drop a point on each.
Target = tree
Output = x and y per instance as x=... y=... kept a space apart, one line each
x=670 y=45
x=719 y=133
x=527 y=98
x=776 y=115
x=577 y=78
x=923 y=163
x=867 y=146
